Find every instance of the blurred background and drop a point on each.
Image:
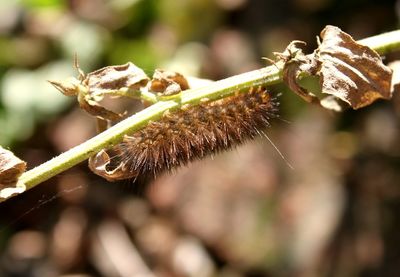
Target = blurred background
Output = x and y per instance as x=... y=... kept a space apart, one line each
x=241 y=213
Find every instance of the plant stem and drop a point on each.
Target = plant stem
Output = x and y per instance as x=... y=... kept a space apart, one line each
x=383 y=44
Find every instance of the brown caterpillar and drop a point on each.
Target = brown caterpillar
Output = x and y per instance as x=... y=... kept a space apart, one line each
x=188 y=134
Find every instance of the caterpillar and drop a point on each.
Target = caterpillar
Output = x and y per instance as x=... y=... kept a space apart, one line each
x=188 y=134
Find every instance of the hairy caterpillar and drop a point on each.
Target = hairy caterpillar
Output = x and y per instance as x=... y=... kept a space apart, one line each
x=188 y=134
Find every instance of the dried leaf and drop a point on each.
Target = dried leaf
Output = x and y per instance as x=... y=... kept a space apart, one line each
x=116 y=77
x=11 y=168
x=350 y=71
x=102 y=165
x=95 y=109
x=69 y=87
x=295 y=62
x=168 y=83
x=91 y=88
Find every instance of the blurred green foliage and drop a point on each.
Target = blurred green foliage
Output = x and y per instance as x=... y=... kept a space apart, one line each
x=32 y=4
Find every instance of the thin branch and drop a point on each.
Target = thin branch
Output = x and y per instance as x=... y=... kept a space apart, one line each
x=270 y=75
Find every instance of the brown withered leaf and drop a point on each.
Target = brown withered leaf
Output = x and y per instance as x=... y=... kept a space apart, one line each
x=69 y=87
x=11 y=168
x=102 y=165
x=92 y=87
x=168 y=83
x=92 y=107
x=115 y=77
x=350 y=71
x=295 y=62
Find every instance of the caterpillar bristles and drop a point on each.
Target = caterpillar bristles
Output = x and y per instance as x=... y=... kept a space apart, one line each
x=189 y=134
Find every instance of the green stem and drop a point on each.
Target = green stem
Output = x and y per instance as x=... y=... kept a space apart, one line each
x=383 y=43
x=266 y=76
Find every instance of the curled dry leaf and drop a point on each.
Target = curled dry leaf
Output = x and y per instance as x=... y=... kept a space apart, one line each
x=295 y=63
x=350 y=71
x=110 y=80
x=167 y=83
x=11 y=168
x=94 y=108
x=69 y=87
x=102 y=165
